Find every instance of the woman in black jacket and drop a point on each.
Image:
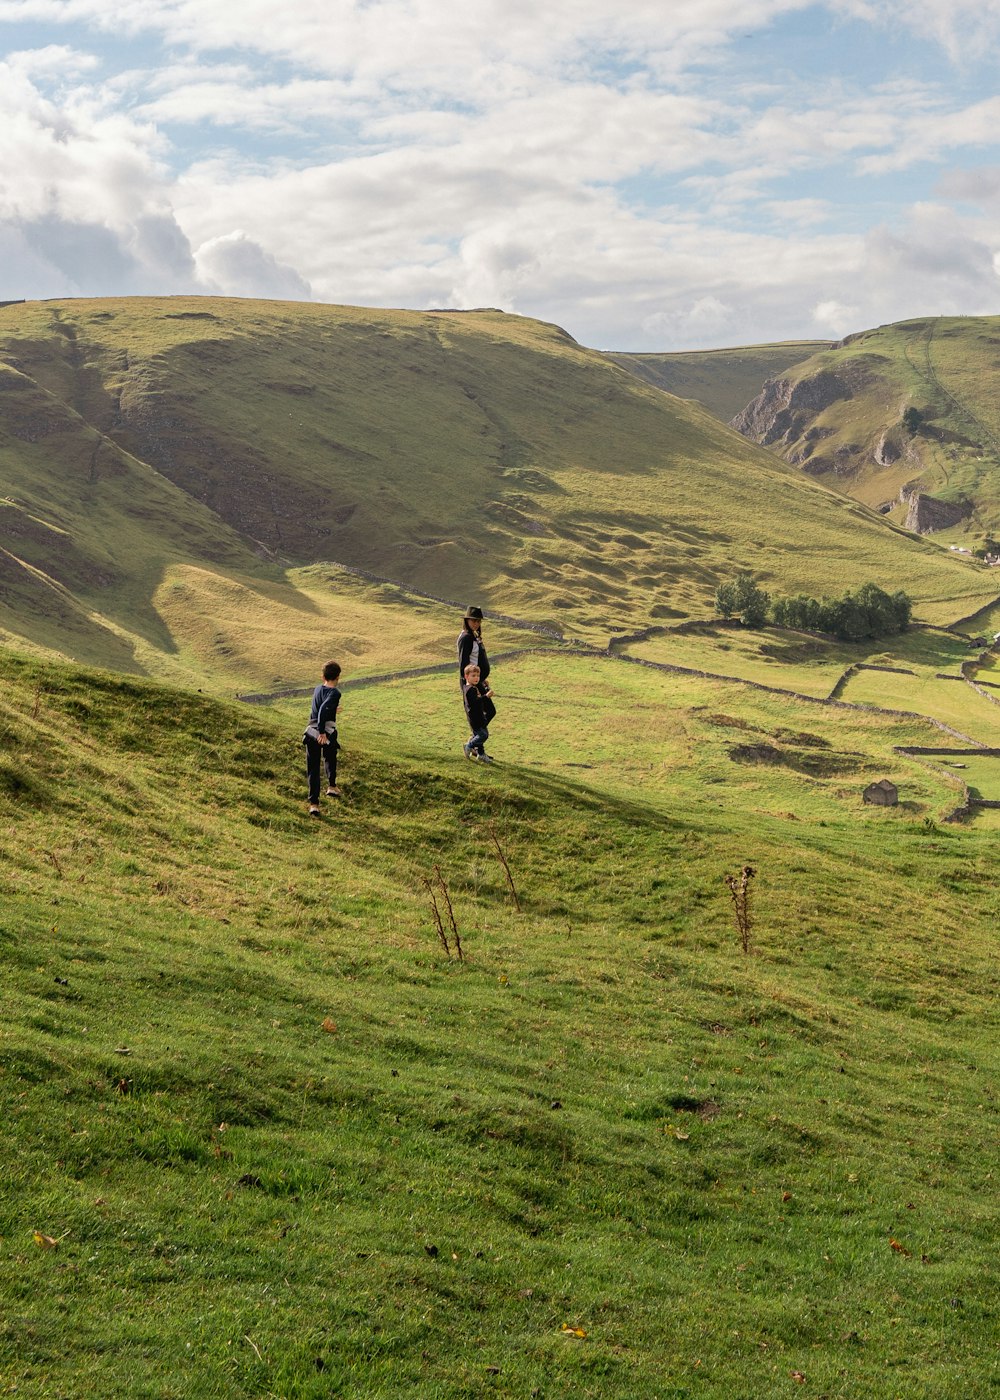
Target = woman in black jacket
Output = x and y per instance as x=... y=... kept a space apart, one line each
x=471 y=651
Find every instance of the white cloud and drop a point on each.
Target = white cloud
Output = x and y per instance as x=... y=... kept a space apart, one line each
x=584 y=161
x=836 y=317
x=237 y=266
x=948 y=262
x=803 y=213
x=961 y=27
x=52 y=61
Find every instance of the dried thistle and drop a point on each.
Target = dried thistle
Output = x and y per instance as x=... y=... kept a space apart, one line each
x=437 y=916
x=739 y=891
x=451 y=914
x=491 y=829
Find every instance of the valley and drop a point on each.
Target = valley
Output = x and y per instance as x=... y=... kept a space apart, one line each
x=471 y=1086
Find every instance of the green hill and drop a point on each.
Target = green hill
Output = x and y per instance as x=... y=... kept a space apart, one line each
x=903 y=416
x=723 y=381
x=263 y=1136
x=182 y=477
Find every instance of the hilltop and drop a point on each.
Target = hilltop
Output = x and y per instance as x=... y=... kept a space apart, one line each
x=723 y=381
x=903 y=418
x=186 y=477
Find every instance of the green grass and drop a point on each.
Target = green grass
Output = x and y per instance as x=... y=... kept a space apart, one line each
x=945 y=367
x=723 y=381
x=768 y=656
x=630 y=732
x=605 y=1119
x=923 y=676
x=169 y=461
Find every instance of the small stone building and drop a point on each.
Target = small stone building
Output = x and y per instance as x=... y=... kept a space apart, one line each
x=881 y=794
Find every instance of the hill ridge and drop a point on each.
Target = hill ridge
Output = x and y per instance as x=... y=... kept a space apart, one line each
x=486 y=457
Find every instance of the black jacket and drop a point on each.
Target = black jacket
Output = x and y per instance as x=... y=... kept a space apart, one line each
x=480 y=708
x=323 y=715
x=471 y=651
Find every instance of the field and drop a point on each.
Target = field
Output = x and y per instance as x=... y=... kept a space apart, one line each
x=169 y=461
x=480 y=1084
x=265 y=1138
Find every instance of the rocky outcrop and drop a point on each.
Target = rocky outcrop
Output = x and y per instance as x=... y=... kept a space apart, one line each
x=783 y=410
x=887 y=450
x=784 y=416
x=925 y=514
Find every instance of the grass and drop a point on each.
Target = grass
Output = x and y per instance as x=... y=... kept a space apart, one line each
x=768 y=656
x=628 y=732
x=287 y=1148
x=241 y=632
x=723 y=381
x=945 y=367
x=169 y=460
x=263 y=1138
x=918 y=672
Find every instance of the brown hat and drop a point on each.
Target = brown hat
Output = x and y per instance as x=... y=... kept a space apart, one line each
x=474 y=613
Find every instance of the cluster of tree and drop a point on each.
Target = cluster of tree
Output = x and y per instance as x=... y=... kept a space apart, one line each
x=866 y=612
x=744 y=599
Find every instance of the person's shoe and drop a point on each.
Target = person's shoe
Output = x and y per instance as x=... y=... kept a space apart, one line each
x=334 y=792
x=485 y=758
x=469 y=751
x=313 y=809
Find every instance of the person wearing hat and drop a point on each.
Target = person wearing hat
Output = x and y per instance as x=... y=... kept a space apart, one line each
x=472 y=652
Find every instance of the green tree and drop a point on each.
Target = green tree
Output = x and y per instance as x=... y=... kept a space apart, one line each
x=725 y=600
x=868 y=612
x=744 y=599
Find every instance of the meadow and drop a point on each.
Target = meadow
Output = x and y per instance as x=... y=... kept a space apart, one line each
x=266 y=1137
x=184 y=477
x=475 y=1086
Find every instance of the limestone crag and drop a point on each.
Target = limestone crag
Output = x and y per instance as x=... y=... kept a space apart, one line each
x=925 y=514
x=784 y=409
x=887 y=450
x=787 y=416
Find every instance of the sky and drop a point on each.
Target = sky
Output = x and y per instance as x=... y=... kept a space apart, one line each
x=648 y=174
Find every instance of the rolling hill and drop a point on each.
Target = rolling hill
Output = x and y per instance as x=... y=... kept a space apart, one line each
x=904 y=417
x=167 y=462
x=723 y=381
x=264 y=1136
x=267 y=1132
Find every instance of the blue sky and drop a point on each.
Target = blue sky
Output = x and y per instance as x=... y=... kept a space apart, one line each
x=667 y=175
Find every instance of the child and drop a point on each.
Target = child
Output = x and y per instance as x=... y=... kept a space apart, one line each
x=320 y=737
x=480 y=709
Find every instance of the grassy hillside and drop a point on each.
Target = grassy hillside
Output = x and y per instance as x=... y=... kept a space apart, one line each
x=839 y=415
x=723 y=381
x=263 y=1137
x=169 y=460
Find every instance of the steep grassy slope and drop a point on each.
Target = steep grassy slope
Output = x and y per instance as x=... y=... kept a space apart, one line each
x=839 y=415
x=469 y=455
x=86 y=531
x=262 y=1137
x=723 y=381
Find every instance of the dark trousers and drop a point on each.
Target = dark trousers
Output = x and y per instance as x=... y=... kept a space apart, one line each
x=315 y=752
x=479 y=737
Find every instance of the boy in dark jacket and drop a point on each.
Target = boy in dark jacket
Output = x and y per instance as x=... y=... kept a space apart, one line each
x=320 y=737
x=480 y=710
